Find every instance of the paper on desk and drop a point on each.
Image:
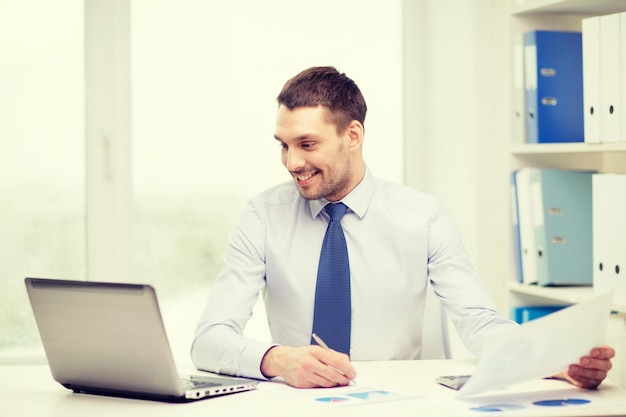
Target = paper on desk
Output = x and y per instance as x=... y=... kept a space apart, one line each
x=338 y=396
x=541 y=347
x=528 y=403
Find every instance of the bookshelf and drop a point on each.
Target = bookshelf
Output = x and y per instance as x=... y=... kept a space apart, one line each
x=603 y=157
x=525 y=15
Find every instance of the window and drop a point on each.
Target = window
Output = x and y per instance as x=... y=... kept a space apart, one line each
x=42 y=203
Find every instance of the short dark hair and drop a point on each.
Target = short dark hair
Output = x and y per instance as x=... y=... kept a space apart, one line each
x=325 y=86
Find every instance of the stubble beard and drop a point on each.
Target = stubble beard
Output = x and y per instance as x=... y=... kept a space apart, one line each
x=334 y=187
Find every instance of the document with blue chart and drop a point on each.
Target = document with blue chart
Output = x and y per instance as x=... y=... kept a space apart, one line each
x=540 y=348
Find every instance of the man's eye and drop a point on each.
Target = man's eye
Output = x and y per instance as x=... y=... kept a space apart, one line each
x=306 y=145
x=283 y=145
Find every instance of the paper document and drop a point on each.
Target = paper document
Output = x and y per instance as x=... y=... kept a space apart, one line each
x=530 y=403
x=541 y=347
x=339 y=396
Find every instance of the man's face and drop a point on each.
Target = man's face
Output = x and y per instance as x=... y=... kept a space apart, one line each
x=316 y=156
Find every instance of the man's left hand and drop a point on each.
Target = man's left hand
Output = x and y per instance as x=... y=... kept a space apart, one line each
x=590 y=370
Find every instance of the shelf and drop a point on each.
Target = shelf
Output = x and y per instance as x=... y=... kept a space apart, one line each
x=583 y=7
x=559 y=148
x=567 y=295
x=605 y=157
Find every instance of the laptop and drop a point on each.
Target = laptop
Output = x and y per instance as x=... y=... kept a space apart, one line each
x=109 y=339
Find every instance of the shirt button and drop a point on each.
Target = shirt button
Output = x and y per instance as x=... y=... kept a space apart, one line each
x=351 y=352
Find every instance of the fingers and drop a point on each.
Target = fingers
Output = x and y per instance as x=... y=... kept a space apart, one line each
x=308 y=366
x=315 y=371
x=305 y=371
x=330 y=377
x=603 y=352
x=334 y=366
x=591 y=370
x=598 y=363
x=339 y=362
x=585 y=378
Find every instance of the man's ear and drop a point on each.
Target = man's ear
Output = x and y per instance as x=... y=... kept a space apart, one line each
x=355 y=133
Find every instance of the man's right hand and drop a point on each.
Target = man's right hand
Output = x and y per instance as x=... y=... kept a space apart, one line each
x=308 y=366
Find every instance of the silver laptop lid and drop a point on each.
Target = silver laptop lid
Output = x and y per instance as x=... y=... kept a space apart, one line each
x=104 y=335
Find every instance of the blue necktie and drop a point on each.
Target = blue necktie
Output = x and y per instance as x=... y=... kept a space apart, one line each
x=333 y=310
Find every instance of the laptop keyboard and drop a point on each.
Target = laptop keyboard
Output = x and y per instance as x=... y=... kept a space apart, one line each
x=188 y=384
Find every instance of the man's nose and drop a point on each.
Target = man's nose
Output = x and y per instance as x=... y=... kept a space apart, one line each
x=293 y=159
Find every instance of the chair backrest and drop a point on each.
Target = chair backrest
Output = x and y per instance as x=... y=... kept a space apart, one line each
x=435 y=337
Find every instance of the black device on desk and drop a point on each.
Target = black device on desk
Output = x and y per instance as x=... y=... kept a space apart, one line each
x=453 y=381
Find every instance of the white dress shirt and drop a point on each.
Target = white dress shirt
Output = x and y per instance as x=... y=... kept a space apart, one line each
x=397 y=238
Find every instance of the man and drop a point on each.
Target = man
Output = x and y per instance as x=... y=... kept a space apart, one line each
x=397 y=240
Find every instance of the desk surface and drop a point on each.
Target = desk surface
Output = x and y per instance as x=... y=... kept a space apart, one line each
x=30 y=391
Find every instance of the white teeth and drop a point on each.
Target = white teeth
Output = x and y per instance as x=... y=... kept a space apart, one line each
x=304 y=178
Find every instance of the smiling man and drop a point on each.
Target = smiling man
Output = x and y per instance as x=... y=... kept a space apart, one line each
x=390 y=243
x=322 y=168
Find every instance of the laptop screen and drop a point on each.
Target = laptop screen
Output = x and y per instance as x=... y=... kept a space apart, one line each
x=107 y=335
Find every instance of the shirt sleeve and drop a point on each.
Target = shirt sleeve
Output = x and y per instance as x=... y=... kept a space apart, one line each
x=465 y=296
x=219 y=344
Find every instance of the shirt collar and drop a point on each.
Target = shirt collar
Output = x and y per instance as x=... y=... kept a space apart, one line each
x=357 y=200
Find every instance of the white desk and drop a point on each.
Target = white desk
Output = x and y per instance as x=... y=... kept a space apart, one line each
x=30 y=391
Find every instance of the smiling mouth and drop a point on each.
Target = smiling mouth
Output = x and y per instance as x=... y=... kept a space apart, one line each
x=305 y=179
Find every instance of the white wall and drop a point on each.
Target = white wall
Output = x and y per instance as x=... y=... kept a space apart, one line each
x=206 y=75
x=456 y=47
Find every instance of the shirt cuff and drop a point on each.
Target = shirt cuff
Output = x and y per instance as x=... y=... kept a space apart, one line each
x=251 y=358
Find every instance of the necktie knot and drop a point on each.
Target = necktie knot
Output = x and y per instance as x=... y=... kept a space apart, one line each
x=335 y=211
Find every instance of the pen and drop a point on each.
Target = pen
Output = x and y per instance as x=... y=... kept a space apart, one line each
x=320 y=342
